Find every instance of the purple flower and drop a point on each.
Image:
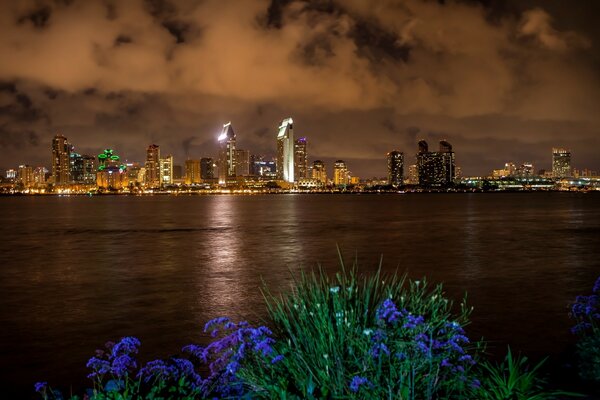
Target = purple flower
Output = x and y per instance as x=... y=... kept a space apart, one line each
x=357 y=382
x=388 y=312
x=215 y=322
x=276 y=359
x=412 y=322
x=98 y=366
x=445 y=363
x=597 y=286
x=156 y=369
x=40 y=386
x=122 y=364
x=127 y=345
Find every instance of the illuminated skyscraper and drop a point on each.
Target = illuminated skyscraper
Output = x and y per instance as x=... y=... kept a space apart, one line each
x=166 y=170
x=192 y=172
x=413 y=174
x=61 y=161
x=207 y=169
x=300 y=159
x=561 y=163
x=83 y=168
x=435 y=169
x=319 y=172
x=285 y=151
x=152 y=166
x=226 y=162
x=395 y=168
x=242 y=163
x=340 y=173
x=39 y=176
x=25 y=176
x=111 y=173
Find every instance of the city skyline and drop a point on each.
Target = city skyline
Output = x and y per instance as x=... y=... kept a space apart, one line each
x=502 y=81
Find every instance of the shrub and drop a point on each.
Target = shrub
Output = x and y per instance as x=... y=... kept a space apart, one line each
x=370 y=337
x=586 y=313
x=514 y=379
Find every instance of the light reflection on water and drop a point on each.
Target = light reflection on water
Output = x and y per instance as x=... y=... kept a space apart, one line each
x=75 y=272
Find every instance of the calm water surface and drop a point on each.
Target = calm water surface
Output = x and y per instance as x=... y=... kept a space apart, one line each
x=78 y=271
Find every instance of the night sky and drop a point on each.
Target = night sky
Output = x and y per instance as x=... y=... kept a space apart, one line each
x=501 y=81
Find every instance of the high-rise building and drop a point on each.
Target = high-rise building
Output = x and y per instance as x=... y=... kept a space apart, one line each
x=192 y=172
x=285 y=151
x=11 y=174
x=413 y=174
x=226 y=162
x=395 y=161
x=61 y=160
x=39 y=176
x=207 y=169
x=25 y=176
x=561 y=163
x=340 y=173
x=436 y=169
x=83 y=168
x=300 y=159
x=152 y=166
x=166 y=170
x=177 y=173
x=525 y=170
x=111 y=173
x=242 y=163
x=319 y=172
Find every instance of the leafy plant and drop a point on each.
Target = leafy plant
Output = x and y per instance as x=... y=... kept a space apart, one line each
x=380 y=336
x=512 y=379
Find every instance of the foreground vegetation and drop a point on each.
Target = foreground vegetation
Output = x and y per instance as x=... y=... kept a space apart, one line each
x=345 y=337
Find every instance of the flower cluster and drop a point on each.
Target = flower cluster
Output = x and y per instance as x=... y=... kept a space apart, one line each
x=236 y=343
x=408 y=336
x=118 y=360
x=586 y=310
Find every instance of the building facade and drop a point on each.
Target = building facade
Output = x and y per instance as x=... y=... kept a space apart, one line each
x=192 y=172
x=395 y=163
x=285 y=151
x=166 y=170
x=226 y=162
x=152 y=166
x=561 y=163
x=319 y=172
x=61 y=161
x=300 y=159
x=242 y=162
x=436 y=169
x=340 y=173
x=207 y=169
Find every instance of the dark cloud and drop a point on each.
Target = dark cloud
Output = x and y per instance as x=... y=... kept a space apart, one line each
x=500 y=80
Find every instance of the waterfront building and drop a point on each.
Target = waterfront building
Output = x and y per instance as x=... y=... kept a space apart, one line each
x=266 y=169
x=319 y=172
x=413 y=175
x=39 y=176
x=300 y=159
x=227 y=153
x=136 y=174
x=207 y=169
x=525 y=170
x=111 y=173
x=192 y=172
x=177 y=173
x=166 y=170
x=11 y=174
x=561 y=163
x=25 y=176
x=83 y=168
x=61 y=161
x=152 y=166
x=285 y=151
x=242 y=162
x=436 y=169
x=340 y=173
x=395 y=160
